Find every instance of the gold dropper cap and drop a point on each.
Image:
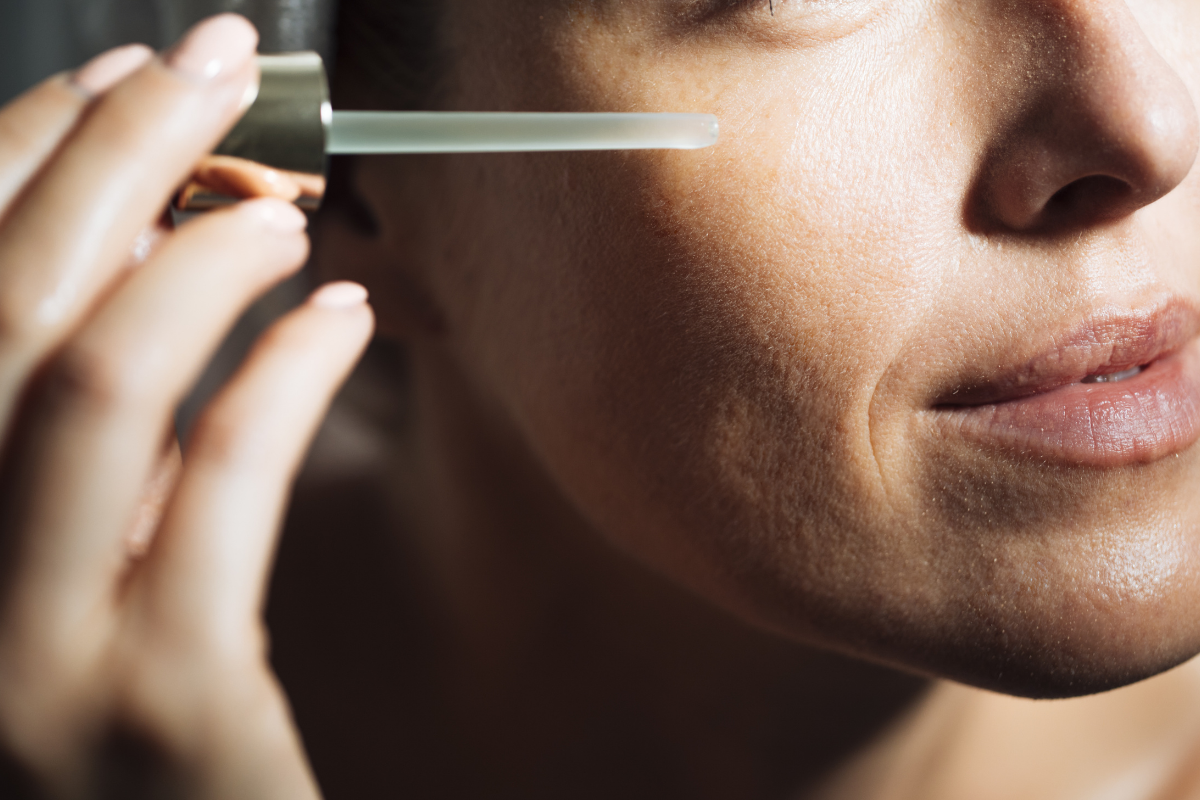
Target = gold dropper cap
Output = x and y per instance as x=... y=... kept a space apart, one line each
x=278 y=147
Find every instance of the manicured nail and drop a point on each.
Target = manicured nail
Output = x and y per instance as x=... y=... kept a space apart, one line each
x=108 y=69
x=278 y=215
x=217 y=47
x=340 y=296
x=250 y=96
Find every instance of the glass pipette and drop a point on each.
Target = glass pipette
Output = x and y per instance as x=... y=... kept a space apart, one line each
x=289 y=131
x=472 y=132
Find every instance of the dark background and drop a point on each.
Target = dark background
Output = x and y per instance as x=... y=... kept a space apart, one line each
x=41 y=37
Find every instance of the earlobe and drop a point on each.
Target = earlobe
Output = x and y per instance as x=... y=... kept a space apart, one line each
x=353 y=240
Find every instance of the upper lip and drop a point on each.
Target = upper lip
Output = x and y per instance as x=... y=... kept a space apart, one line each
x=1107 y=341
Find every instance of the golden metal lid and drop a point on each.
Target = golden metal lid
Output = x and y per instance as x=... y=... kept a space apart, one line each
x=278 y=147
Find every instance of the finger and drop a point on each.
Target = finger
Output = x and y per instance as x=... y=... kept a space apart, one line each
x=241 y=178
x=153 y=502
x=97 y=414
x=147 y=242
x=66 y=237
x=207 y=570
x=34 y=125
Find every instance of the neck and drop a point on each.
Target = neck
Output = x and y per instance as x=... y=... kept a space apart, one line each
x=567 y=659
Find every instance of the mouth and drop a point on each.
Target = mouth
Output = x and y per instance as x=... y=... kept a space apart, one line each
x=1122 y=387
x=1116 y=377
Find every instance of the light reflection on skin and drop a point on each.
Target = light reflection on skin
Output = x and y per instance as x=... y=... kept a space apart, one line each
x=726 y=359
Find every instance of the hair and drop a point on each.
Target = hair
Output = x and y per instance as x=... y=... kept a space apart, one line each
x=388 y=56
x=391 y=51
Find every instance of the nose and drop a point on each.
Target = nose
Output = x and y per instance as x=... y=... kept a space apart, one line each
x=1105 y=125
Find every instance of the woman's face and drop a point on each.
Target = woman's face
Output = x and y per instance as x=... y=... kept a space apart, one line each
x=839 y=373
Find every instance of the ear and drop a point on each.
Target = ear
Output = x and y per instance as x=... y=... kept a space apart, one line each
x=358 y=239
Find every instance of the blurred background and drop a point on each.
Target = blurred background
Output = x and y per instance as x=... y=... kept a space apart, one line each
x=41 y=37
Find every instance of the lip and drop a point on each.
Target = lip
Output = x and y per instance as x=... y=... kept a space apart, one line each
x=1041 y=407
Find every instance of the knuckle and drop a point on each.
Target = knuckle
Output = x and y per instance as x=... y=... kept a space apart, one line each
x=286 y=341
x=42 y=698
x=146 y=121
x=17 y=324
x=220 y=438
x=88 y=377
x=123 y=118
x=32 y=123
x=15 y=139
x=238 y=439
x=235 y=648
x=161 y=676
x=125 y=129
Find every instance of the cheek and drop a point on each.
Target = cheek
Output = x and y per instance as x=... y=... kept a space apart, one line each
x=703 y=348
x=693 y=340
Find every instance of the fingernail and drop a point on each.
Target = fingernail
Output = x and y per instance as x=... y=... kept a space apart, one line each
x=275 y=180
x=339 y=296
x=108 y=69
x=277 y=215
x=250 y=96
x=217 y=47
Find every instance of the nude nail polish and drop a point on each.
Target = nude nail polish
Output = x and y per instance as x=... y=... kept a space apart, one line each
x=217 y=47
x=277 y=215
x=108 y=69
x=340 y=296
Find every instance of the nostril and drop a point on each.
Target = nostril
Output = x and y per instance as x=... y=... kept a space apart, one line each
x=1089 y=199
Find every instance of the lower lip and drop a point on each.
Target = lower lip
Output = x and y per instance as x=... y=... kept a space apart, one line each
x=1138 y=420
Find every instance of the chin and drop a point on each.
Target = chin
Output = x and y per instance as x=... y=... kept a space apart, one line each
x=1003 y=645
x=1060 y=659
x=1060 y=611
x=1033 y=580
x=1056 y=567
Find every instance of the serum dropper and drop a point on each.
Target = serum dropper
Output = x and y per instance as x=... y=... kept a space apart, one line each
x=290 y=129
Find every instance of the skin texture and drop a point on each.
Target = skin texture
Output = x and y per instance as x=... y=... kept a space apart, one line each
x=732 y=365
x=729 y=362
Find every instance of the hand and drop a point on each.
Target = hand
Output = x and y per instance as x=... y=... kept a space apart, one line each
x=132 y=654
